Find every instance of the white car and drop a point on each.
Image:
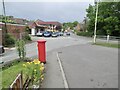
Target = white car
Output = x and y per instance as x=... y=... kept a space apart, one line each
x=40 y=34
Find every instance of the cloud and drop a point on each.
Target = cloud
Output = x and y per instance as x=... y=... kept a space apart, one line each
x=48 y=11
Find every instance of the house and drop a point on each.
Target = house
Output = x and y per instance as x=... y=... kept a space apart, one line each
x=40 y=25
x=80 y=27
x=19 y=21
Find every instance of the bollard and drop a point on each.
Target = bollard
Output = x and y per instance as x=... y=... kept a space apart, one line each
x=42 y=51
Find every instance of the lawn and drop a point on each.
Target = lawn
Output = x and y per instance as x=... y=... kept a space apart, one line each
x=9 y=75
x=112 y=45
x=34 y=68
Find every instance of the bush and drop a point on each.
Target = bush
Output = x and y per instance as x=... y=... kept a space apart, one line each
x=27 y=37
x=35 y=71
x=88 y=34
x=9 y=40
x=20 y=46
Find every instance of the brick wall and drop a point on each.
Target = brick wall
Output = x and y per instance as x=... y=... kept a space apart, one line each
x=13 y=29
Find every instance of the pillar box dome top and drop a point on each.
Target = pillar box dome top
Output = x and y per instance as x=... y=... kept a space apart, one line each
x=41 y=41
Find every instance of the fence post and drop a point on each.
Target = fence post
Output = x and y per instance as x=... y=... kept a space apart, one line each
x=108 y=37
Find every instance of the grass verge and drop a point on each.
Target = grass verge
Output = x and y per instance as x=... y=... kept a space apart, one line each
x=112 y=45
x=9 y=74
x=33 y=69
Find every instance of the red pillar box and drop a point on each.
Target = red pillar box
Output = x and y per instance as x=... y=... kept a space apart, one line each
x=42 y=51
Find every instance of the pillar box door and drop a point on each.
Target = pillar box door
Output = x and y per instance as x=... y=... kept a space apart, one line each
x=42 y=51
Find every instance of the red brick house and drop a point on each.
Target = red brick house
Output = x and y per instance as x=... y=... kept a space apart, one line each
x=40 y=25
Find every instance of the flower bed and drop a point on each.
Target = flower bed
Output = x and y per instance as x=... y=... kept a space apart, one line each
x=36 y=72
x=32 y=69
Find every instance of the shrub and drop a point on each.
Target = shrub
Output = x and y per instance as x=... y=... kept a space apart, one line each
x=20 y=46
x=26 y=37
x=88 y=34
x=36 y=71
x=9 y=40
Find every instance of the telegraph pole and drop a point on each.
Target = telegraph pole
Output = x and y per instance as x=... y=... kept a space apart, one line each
x=4 y=31
x=95 y=23
x=4 y=14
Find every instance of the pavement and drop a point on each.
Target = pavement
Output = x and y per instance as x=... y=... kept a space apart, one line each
x=84 y=65
x=53 y=76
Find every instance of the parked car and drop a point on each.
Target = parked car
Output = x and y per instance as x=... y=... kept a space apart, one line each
x=2 y=50
x=55 y=34
x=68 y=33
x=61 y=33
x=47 y=34
x=40 y=34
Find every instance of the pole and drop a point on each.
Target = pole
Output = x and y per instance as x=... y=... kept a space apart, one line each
x=95 y=24
x=5 y=26
x=4 y=11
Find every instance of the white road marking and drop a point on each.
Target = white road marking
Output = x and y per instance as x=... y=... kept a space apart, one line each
x=63 y=74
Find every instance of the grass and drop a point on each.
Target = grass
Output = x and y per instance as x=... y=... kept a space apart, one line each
x=112 y=45
x=9 y=74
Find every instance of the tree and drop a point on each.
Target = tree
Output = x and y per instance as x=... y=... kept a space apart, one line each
x=70 y=25
x=75 y=23
x=108 y=18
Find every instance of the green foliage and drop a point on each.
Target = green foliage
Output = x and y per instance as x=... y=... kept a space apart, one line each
x=28 y=69
x=9 y=74
x=108 y=21
x=20 y=46
x=70 y=24
x=5 y=19
x=75 y=23
x=27 y=29
x=35 y=70
x=112 y=45
x=9 y=40
x=88 y=34
x=26 y=37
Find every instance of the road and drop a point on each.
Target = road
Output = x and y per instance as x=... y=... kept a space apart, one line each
x=85 y=65
x=51 y=44
x=90 y=66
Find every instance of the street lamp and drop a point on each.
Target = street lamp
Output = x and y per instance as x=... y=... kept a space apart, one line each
x=95 y=23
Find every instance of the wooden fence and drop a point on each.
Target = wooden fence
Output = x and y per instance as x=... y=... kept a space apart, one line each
x=18 y=83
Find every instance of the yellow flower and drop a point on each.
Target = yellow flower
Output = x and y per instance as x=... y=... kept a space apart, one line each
x=42 y=64
x=24 y=65
x=42 y=68
x=42 y=76
x=42 y=79
x=28 y=62
x=36 y=61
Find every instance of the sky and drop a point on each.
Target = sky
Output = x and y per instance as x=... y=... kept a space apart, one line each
x=49 y=11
